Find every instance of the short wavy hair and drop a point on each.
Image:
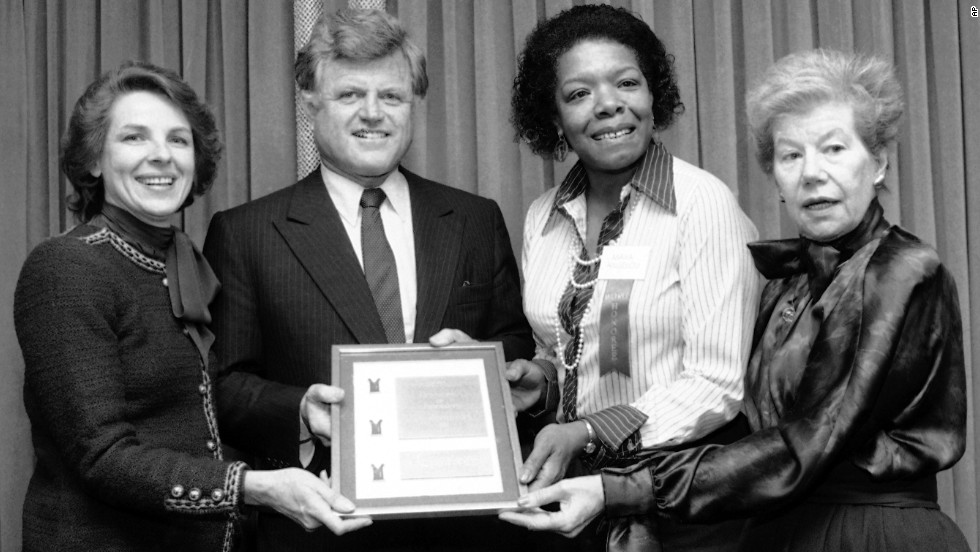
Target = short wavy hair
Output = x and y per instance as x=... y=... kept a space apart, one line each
x=533 y=104
x=801 y=81
x=84 y=139
x=358 y=35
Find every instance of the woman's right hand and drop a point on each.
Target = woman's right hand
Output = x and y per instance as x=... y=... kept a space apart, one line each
x=580 y=500
x=554 y=448
x=302 y=497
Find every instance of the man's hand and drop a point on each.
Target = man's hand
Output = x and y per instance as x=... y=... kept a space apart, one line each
x=448 y=336
x=580 y=499
x=554 y=448
x=314 y=410
x=302 y=497
x=527 y=383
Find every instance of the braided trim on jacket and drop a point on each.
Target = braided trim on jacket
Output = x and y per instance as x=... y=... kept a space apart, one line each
x=218 y=501
x=209 y=415
x=104 y=235
x=232 y=528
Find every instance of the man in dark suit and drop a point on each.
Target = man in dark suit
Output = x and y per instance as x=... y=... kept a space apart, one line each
x=331 y=260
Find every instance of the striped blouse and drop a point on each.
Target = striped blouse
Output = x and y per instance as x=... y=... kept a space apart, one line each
x=690 y=318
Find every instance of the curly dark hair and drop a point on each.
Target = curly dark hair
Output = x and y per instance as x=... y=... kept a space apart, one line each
x=84 y=139
x=533 y=103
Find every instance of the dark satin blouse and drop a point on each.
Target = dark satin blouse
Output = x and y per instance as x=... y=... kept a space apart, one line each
x=855 y=390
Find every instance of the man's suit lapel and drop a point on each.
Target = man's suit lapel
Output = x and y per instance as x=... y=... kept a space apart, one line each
x=438 y=232
x=315 y=234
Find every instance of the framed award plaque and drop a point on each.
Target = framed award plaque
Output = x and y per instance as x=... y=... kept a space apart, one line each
x=424 y=431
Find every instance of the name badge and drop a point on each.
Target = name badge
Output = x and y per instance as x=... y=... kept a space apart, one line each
x=624 y=262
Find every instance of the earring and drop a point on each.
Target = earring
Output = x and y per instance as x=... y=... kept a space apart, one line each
x=561 y=148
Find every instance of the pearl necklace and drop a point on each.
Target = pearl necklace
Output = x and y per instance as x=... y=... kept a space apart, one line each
x=573 y=253
x=560 y=349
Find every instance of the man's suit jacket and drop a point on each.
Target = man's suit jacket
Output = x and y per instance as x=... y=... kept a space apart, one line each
x=292 y=288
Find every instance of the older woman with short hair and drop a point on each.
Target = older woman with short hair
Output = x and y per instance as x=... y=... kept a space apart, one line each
x=112 y=318
x=856 y=385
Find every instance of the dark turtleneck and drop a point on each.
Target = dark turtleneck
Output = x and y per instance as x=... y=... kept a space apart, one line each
x=191 y=282
x=152 y=241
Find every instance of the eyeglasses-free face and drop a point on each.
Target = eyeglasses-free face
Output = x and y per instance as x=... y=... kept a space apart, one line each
x=605 y=107
x=823 y=170
x=147 y=162
x=362 y=116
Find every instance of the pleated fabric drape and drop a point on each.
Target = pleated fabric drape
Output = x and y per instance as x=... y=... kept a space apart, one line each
x=239 y=53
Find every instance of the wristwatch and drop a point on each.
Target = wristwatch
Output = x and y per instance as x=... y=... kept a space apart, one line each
x=590 y=446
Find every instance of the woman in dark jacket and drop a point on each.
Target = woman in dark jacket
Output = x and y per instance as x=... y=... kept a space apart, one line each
x=112 y=321
x=856 y=386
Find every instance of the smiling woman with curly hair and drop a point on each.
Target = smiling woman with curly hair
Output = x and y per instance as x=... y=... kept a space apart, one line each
x=650 y=355
x=533 y=102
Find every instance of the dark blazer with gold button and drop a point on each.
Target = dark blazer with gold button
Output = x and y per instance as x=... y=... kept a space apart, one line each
x=123 y=424
x=292 y=288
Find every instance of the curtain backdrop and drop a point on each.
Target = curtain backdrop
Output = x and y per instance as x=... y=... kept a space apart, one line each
x=238 y=54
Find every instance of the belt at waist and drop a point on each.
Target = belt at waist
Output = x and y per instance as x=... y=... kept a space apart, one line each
x=848 y=484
